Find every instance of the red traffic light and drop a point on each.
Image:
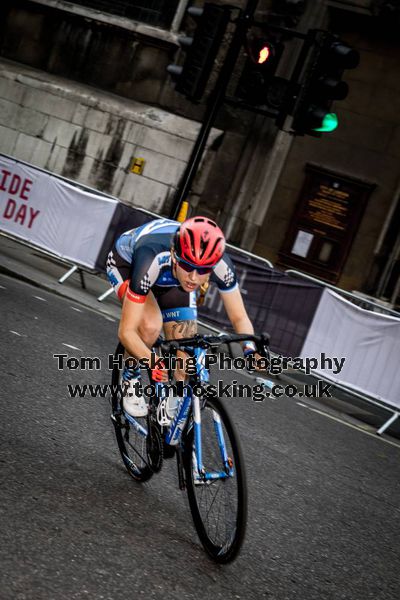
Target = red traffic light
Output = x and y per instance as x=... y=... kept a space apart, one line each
x=263 y=54
x=261 y=51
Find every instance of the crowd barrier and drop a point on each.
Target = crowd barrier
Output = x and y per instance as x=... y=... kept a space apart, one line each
x=304 y=316
x=52 y=214
x=354 y=297
x=367 y=335
x=368 y=342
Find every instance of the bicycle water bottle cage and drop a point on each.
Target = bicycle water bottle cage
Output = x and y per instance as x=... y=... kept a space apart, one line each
x=166 y=410
x=162 y=414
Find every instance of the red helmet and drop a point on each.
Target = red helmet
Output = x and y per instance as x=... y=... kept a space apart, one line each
x=200 y=242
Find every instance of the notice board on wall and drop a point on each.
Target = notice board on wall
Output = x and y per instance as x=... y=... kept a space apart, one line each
x=324 y=223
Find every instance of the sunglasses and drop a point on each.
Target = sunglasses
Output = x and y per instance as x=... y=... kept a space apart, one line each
x=188 y=267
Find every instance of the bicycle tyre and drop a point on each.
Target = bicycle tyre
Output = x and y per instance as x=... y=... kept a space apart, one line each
x=130 y=443
x=224 y=547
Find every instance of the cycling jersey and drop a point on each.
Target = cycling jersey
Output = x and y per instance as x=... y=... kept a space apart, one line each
x=147 y=250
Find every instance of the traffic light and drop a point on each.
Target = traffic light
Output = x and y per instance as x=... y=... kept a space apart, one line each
x=322 y=84
x=202 y=48
x=256 y=85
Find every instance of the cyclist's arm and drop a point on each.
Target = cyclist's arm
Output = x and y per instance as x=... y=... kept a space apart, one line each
x=236 y=311
x=224 y=276
x=128 y=332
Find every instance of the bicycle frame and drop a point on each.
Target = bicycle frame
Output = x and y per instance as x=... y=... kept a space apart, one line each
x=177 y=426
x=203 y=375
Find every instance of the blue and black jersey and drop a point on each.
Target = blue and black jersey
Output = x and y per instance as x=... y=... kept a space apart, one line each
x=147 y=250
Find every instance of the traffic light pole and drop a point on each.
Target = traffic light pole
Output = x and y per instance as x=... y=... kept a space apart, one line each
x=214 y=104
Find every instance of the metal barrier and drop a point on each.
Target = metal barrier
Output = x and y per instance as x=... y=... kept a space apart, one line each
x=71 y=269
x=251 y=255
x=365 y=304
x=354 y=298
x=73 y=266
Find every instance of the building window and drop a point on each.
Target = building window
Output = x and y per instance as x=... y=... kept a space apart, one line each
x=158 y=13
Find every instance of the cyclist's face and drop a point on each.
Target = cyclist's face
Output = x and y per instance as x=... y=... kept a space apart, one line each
x=189 y=281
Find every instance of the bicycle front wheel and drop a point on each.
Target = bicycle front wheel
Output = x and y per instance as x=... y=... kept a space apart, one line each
x=218 y=505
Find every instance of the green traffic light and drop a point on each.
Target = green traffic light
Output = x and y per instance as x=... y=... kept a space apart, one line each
x=329 y=123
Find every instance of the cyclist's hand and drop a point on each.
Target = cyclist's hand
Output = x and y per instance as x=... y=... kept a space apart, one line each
x=260 y=362
x=256 y=362
x=180 y=372
x=160 y=374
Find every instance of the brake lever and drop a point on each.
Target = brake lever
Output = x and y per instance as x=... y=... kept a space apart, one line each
x=262 y=347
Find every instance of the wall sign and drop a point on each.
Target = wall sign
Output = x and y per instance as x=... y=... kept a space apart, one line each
x=324 y=224
x=137 y=165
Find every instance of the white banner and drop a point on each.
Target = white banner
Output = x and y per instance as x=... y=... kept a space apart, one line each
x=53 y=214
x=369 y=342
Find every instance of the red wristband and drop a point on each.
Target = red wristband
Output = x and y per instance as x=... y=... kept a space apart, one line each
x=157 y=374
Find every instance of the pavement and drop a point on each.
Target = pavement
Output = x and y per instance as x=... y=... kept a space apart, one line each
x=43 y=270
x=31 y=265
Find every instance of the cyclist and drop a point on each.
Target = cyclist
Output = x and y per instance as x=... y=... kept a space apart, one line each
x=157 y=270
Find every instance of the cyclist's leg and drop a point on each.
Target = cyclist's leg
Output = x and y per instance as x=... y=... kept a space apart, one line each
x=152 y=323
x=149 y=331
x=118 y=273
x=179 y=313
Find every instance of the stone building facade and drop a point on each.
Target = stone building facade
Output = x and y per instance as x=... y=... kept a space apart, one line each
x=365 y=146
x=83 y=91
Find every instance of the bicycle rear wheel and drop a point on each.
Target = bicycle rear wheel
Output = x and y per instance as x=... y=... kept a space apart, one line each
x=140 y=447
x=218 y=506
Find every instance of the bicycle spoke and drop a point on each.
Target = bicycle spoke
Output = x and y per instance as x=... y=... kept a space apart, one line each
x=136 y=451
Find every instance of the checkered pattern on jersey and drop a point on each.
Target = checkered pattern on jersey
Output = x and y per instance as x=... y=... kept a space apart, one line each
x=110 y=261
x=229 y=277
x=145 y=283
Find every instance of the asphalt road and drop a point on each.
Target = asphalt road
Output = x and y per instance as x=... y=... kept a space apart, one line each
x=323 y=494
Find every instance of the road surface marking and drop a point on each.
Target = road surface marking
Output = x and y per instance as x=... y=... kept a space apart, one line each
x=73 y=347
x=16 y=333
x=301 y=404
x=77 y=309
x=357 y=428
x=40 y=298
x=2 y=287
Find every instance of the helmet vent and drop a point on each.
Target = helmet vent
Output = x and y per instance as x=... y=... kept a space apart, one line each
x=192 y=242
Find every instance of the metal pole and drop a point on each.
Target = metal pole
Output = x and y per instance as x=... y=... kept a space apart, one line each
x=215 y=101
x=388 y=423
x=105 y=295
x=68 y=274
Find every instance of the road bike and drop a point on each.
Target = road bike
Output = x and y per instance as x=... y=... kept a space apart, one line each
x=201 y=434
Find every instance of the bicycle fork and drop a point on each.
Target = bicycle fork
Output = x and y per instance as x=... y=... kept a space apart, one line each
x=199 y=471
